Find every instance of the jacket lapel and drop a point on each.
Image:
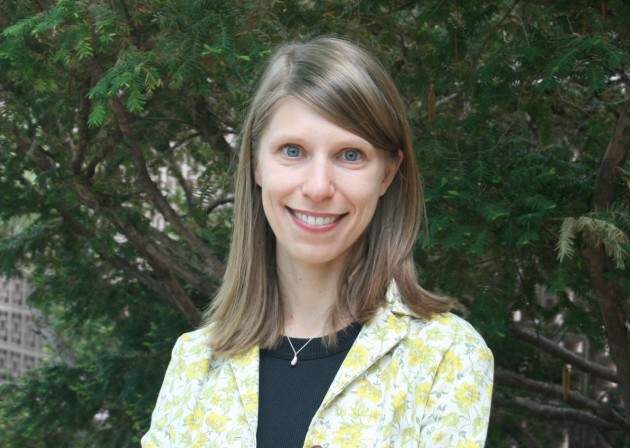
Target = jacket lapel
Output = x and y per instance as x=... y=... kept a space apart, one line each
x=377 y=337
x=245 y=368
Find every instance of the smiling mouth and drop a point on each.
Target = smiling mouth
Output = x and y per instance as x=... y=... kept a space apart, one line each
x=315 y=220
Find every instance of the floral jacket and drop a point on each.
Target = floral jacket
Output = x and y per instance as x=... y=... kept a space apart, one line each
x=406 y=382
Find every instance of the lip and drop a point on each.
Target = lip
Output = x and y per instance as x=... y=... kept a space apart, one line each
x=315 y=221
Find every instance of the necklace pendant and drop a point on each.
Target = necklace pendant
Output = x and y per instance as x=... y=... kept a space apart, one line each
x=295 y=352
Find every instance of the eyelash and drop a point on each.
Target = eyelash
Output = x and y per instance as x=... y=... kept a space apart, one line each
x=285 y=149
x=359 y=155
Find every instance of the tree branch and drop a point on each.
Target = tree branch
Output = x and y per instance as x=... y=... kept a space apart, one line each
x=184 y=185
x=206 y=122
x=149 y=249
x=104 y=149
x=163 y=266
x=171 y=149
x=180 y=251
x=541 y=411
x=567 y=356
x=216 y=268
x=182 y=302
x=511 y=379
x=159 y=261
x=217 y=202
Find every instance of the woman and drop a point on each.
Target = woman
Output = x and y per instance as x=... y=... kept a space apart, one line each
x=320 y=334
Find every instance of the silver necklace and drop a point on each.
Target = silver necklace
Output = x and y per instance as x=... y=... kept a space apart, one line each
x=295 y=353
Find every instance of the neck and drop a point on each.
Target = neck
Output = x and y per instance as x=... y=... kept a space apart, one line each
x=308 y=292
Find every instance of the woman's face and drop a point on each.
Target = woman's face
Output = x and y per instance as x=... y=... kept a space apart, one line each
x=320 y=184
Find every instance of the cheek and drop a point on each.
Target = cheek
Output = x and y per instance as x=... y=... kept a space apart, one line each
x=370 y=189
x=274 y=192
x=367 y=198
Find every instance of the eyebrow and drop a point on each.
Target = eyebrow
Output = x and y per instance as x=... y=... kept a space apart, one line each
x=289 y=137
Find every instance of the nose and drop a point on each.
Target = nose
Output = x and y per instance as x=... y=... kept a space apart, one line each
x=319 y=184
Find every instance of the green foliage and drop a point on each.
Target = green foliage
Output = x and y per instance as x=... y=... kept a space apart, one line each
x=98 y=98
x=598 y=231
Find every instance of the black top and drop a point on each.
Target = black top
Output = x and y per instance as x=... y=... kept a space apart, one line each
x=290 y=395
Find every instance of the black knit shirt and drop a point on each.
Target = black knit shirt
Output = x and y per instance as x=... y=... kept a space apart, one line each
x=290 y=395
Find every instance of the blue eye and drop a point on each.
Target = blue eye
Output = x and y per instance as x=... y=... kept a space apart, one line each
x=291 y=151
x=351 y=155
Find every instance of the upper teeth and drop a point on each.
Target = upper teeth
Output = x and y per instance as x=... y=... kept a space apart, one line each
x=315 y=220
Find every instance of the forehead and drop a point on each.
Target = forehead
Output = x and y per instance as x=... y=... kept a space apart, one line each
x=294 y=120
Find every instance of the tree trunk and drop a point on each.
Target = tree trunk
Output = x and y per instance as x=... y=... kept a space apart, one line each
x=609 y=291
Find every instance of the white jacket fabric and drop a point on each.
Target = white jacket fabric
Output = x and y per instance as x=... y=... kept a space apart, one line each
x=406 y=382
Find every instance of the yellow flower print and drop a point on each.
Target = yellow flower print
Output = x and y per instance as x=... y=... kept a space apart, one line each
x=399 y=401
x=443 y=319
x=467 y=394
x=214 y=398
x=451 y=419
x=423 y=395
x=438 y=437
x=241 y=421
x=356 y=358
x=348 y=437
x=250 y=401
x=435 y=334
x=373 y=416
x=418 y=352
x=193 y=420
x=247 y=358
x=317 y=435
x=451 y=366
x=394 y=324
x=484 y=354
x=369 y=391
x=216 y=422
x=418 y=391
x=479 y=424
x=200 y=441
x=391 y=371
x=197 y=369
x=168 y=407
x=467 y=444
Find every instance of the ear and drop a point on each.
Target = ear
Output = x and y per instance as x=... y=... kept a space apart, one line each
x=391 y=168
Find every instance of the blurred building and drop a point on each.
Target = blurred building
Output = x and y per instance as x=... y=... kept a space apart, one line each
x=21 y=347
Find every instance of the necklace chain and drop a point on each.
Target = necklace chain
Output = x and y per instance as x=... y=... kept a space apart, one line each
x=295 y=353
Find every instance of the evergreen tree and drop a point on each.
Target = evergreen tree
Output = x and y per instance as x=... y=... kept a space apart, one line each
x=117 y=122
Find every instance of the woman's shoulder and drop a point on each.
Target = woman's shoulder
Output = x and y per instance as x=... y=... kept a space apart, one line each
x=195 y=336
x=194 y=343
x=441 y=329
x=447 y=342
x=447 y=330
x=451 y=323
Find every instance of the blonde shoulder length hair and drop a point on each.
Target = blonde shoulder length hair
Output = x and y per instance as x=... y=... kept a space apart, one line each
x=348 y=86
